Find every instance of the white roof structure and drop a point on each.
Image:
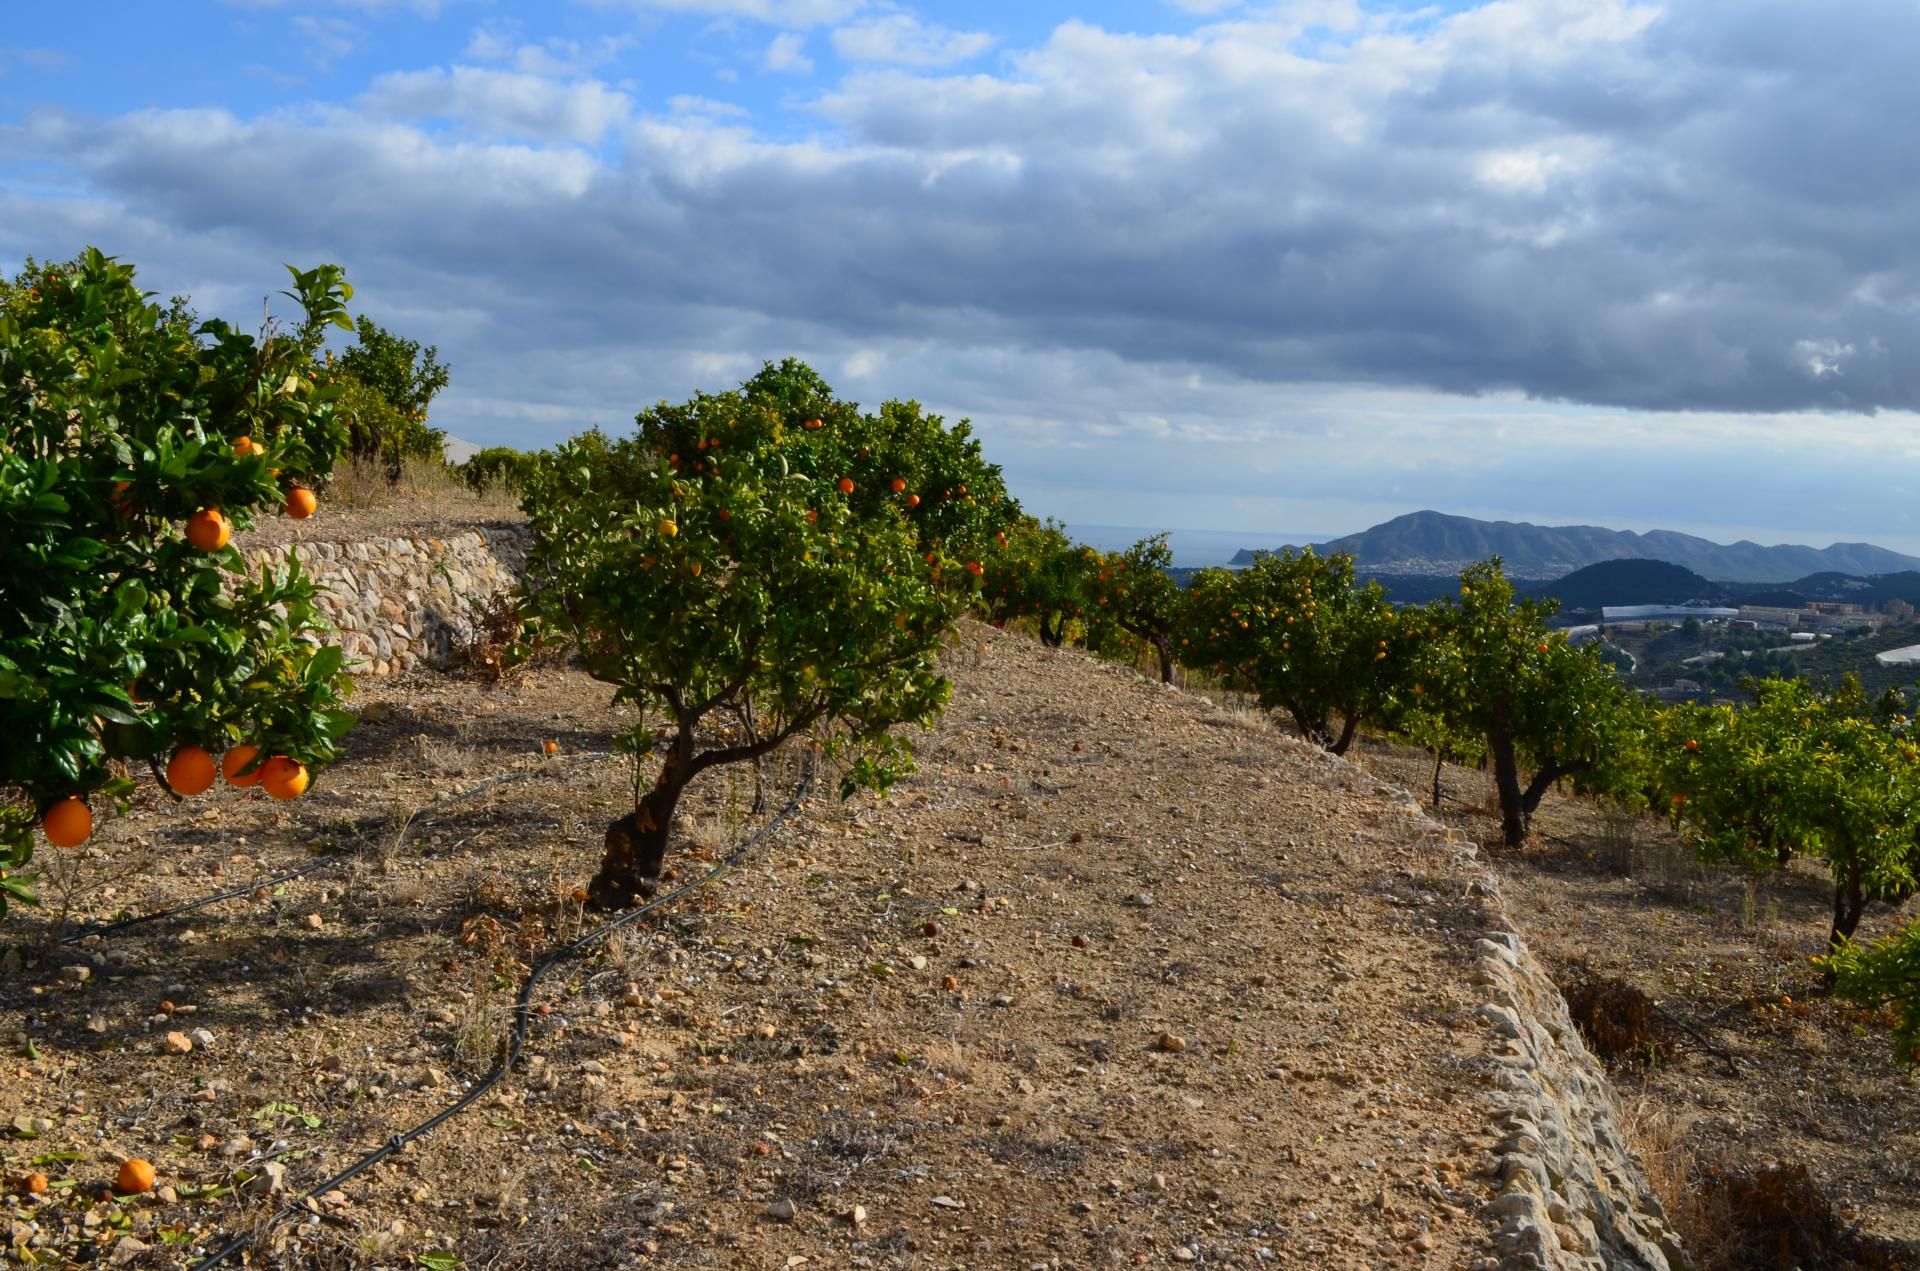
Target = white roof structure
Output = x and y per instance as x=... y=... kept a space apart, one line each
x=1645 y=613
x=1908 y=656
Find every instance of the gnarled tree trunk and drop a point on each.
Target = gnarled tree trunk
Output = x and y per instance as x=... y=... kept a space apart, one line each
x=1506 y=781
x=636 y=844
x=1164 y=647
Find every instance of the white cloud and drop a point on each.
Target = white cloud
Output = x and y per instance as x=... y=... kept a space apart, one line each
x=327 y=39
x=500 y=103
x=502 y=42
x=1210 y=237
x=783 y=13
x=788 y=54
x=905 y=41
x=36 y=58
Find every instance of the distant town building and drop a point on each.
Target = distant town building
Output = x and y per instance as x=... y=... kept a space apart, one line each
x=1664 y=613
x=1772 y=615
x=1908 y=656
x=1898 y=609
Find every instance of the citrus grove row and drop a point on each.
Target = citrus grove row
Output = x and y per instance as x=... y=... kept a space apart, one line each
x=760 y=566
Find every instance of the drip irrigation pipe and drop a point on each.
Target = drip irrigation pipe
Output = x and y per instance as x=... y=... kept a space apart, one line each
x=516 y=1032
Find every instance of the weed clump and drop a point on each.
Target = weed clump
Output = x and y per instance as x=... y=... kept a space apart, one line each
x=1778 y=1216
x=1617 y=1020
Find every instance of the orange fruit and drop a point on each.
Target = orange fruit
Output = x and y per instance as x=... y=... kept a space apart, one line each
x=234 y=760
x=68 y=822
x=208 y=529
x=552 y=747
x=123 y=498
x=191 y=771
x=136 y=1176
x=34 y=1184
x=812 y=516
x=668 y=529
x=899 y=484
x=814 y=425
x=301 y=503
x=694 y=569
x=243 y=446
x=976 y=569
x=846 y=485
x=913 y=500
x=284 y=778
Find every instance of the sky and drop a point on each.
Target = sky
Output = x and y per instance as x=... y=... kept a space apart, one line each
x=1282 y=268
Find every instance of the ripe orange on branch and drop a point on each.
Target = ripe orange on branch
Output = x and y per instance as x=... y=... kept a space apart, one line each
x=284 y=778
x=191 y=771
x=68 y=823
x=235 y=760
x=899 y=484
x=846 y=485
x=209 y=530
x=301 y=503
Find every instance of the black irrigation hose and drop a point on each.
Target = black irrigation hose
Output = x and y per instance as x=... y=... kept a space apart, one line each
x=516 y=1033
x=324 y=862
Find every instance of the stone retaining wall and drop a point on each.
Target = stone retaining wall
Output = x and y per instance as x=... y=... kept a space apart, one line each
x=406 y=602
x=1570 y=1193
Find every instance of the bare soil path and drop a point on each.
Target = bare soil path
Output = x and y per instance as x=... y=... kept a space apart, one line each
x=1117 y=978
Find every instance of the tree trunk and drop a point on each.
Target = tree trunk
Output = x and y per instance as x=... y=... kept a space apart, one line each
x=1541 y=783
x=1055 y=636
x=1314 y=731
x=1347 y=731
x=637 y=842
x=1439 y=759
x=1164 y=648
x=1506 y=781
x=1847 y=906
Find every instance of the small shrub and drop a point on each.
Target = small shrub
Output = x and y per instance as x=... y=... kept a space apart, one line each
x=1616 y=1019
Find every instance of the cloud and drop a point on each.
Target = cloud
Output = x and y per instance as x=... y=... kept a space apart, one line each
x=903 y=40
x=47 y=60
x=500 y=103
x=787 y=54
x=327 y=40
x=783 y=13
x=1235 y=259
x=501 y=41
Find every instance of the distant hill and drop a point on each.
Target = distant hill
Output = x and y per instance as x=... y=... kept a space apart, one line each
x=1630 y=582
x=1877 y=590
x=1435 y=543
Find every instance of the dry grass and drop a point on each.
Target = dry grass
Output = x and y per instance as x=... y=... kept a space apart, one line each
x=426 y=489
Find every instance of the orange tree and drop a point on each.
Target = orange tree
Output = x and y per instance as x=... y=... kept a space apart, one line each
x=1883 y=973
x=1299 y=633
x=1541 y=704
x=1038 y=576
x=132 y=445
x=1131 y=594
x=1800 y=772
x=754 y=566
x=1433 y=707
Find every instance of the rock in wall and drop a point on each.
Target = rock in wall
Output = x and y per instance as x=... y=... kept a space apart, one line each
x=404 y=602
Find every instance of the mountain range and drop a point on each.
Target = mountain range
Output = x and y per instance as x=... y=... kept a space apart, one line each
x=1436 y=543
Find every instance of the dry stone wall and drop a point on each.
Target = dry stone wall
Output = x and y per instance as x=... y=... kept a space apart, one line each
x=405 y=602
x=1571 y=1193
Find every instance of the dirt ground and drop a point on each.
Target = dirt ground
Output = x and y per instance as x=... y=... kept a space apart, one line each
x=1118 y=977
x=1753 y=1066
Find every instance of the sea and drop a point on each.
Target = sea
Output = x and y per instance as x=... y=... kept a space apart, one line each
x=1192 y=549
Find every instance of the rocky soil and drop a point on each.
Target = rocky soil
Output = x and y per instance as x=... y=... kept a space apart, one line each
x=1119 y=977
